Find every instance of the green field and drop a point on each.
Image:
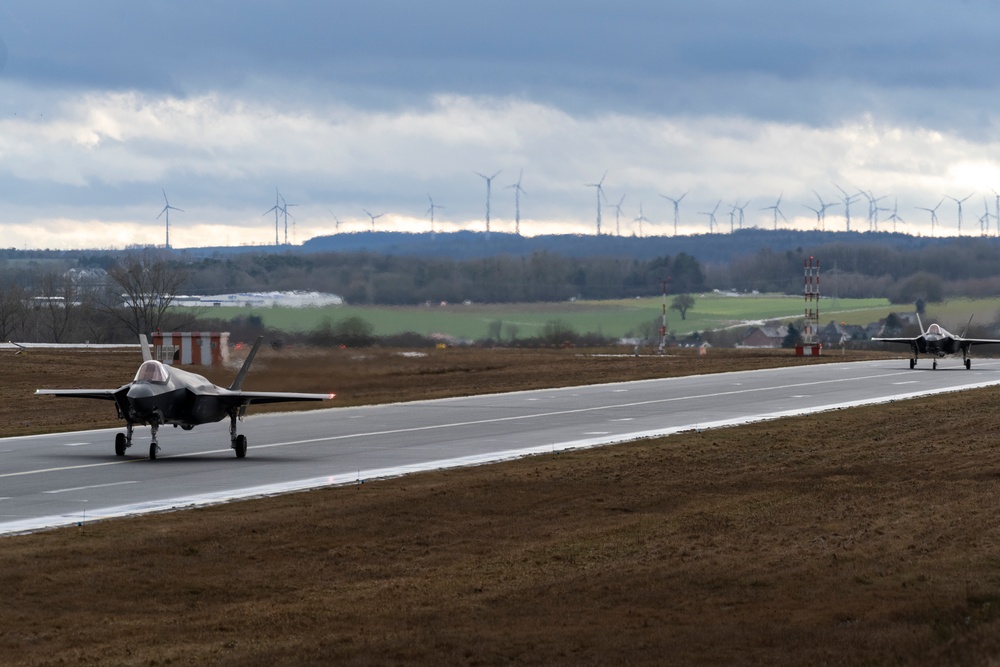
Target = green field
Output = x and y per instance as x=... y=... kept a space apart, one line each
x=608 y=318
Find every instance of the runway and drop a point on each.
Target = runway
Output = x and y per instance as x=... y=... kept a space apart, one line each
x=68 y=478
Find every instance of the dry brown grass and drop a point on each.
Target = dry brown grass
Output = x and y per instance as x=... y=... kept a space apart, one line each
x=864 y=536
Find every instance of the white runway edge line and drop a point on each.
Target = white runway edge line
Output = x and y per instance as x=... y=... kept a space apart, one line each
x=358 y=477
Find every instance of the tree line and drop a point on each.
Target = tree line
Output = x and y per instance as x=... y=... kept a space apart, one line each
x=110 y=296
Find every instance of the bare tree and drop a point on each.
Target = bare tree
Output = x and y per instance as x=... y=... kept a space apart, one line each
x=12 y=309
x=141 y=287
x=58 y=307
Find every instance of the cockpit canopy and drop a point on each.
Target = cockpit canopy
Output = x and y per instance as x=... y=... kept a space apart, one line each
x=151 y=371
x=936 y=330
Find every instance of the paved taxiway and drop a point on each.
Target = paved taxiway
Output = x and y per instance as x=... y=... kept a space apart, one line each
x=65 y=478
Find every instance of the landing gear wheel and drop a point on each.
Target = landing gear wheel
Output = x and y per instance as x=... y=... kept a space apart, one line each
x=913 y=363
x=120 y=444
x=968 y=364
x=240 y=445
x=153 y=448
x=935 y=365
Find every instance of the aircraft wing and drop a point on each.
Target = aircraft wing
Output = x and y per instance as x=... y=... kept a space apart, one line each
x=103 y=394
x=903 y=341
x=247 y=397
x=978 y=341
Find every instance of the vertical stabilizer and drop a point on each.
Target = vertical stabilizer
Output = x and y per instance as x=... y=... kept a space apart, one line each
x=144 y=344
x=238 y=382
x=966 y=329
x=920 y=324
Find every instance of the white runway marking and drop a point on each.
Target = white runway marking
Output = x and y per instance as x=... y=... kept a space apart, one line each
x=95 y=486
x=75 y=444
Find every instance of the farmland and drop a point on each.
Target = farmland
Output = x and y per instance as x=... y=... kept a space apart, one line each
x=614 y=318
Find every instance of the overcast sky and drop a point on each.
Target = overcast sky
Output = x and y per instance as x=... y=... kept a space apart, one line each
x=379 y=105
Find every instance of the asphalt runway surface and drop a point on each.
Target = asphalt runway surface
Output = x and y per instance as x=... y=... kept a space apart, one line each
x=69 y=478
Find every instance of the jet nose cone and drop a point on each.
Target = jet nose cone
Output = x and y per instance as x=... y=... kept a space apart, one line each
x=140 y=391
x=142 y=398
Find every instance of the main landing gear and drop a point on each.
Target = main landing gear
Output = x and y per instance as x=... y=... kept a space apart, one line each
x=123 y=440
x=239 y=441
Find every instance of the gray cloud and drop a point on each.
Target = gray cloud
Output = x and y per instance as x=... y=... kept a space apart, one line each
x=375 y=104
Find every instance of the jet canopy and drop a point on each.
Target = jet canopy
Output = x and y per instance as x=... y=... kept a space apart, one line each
x=151 y=371
x=936 y=330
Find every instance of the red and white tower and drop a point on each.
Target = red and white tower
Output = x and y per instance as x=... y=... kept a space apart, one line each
x=810 y=292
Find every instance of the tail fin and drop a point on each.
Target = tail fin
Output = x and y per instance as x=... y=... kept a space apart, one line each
x=238 y=382
x=144 y=344
x=920 y=324
x=966 y=329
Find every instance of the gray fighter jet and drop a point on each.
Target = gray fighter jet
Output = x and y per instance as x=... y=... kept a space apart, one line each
x=162 y=394
x=938 y=342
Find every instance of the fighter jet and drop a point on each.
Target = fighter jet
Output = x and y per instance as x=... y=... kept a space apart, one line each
x=939 y=342
x=161 y=394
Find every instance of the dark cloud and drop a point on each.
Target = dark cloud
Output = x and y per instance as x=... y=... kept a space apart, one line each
x=565 y=48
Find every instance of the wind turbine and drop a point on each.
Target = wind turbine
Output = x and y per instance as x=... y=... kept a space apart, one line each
x=777 y=210
x=822 y=210
x=618 y=214
x=873 y=209
x=848 y=200
x=959 y=202
x=819 y=216
x=677 y=204
x=732 y=218
x=641 y=219
x=517 y=202
x=430 y=211
x=166 y=210
x=933 y=212
x=711 y=216
x=373 y=217
x=741 y=209
x=277 y=209
x=895 y=215
x=336 y=220
x=984 y=222
x=599 y=186
x=996 y=215
x=489 y=185
x=284 y=210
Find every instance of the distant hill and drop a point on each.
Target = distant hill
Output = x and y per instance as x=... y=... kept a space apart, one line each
x=708 y=248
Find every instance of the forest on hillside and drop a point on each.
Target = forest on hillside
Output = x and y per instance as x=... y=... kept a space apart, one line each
x=962 y=267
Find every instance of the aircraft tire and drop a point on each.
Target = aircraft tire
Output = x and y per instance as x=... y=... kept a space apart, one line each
x=913 y=363
x=120 y=444
x=152 y=451
x=968 y=364
x=935 y=365
x=240 y=445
